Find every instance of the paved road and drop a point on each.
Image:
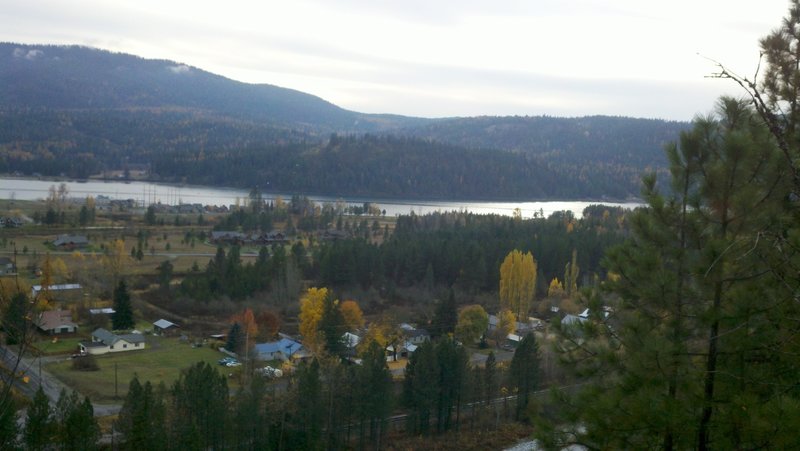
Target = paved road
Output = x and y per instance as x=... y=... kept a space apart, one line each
x=33 y=367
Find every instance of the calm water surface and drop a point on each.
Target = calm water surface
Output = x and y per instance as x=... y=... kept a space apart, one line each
x=146 y=193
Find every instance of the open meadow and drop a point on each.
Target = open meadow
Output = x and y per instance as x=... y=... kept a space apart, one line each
x=162 y=361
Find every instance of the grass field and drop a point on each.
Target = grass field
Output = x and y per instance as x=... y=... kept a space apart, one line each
x=60 y=346
x=161 y=361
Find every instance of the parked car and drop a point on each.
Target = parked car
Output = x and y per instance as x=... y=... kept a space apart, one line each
x=226 y=360
x=269 y=371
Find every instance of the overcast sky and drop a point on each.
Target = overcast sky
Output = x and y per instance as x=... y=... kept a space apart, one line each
x=435 y=58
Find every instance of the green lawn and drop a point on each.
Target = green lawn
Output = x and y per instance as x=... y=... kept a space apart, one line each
x=161 y=361
x=62 y=345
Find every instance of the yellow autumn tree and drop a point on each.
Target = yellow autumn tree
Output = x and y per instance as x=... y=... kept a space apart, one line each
x=518 y=282
x=352 y=314
x=312 y=305
x=571 y=272
x=116 y=259
x=59 y=270
x=506 y=323
x=46 y=280
x=556 y=289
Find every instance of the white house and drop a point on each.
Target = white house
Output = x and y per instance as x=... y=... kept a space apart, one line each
x=104 y=342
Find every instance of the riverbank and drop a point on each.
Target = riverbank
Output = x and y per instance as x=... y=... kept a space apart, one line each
x=146 y=193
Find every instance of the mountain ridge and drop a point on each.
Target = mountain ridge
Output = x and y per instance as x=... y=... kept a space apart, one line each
x=80 y=110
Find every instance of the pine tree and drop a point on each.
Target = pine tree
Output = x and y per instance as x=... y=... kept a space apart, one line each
x=445 y=317
x=524 y=372
x=420 y=387
x=332 y=328
x=8 y=425
x=374 y=393
x=309 y=404
x=235 y=341
x=15 y=322
x=39 y=426
x=490 y=377
x=698 y=320
x=142 y=418
x=199 y=408
x=122 y=318
x=77 y=428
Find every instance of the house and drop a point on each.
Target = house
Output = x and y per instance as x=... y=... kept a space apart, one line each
x=333 y=235
x=7 y=266
x=104 y=342
x=228 y=237
x=10 y=222
x=493 y=322
x=71 y=241
x=513 y=340
x=350 y=342
x=414 y=335
x=283 y=349
x=64 y=291
x=401 y=351
x=56 y=322
x=571 y=320
x=164 y=327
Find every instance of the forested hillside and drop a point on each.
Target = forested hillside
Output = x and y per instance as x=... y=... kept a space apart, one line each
x=73 y=77
x=397 y=167
x=619 y=141
x=82 y=112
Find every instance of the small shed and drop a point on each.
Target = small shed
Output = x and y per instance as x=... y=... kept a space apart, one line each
x=164 y=327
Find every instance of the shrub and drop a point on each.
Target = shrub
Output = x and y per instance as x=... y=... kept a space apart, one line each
x=85 y=363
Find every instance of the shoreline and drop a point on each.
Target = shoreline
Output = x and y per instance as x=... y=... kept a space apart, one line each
x=406 y=200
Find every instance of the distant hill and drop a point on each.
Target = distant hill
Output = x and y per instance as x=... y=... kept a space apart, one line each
x=73 y=77
x=612 y=140
x=79 y=111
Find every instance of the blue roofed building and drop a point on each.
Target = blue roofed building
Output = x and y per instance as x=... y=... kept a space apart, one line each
x=283 y=349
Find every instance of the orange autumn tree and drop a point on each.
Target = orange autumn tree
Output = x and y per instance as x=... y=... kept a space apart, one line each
x=247 y=322
x=268 y=324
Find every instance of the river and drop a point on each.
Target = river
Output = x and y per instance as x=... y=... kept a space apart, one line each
x=145 y=193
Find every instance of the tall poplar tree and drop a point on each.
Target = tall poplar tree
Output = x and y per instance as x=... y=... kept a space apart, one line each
x=518 y=283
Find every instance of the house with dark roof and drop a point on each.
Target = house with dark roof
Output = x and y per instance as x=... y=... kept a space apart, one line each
x=71 y=241
x=104 y=342
x=7 y=266
x=164 y=327
x=413 y=335
x=228 y=237
x=56 y=322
